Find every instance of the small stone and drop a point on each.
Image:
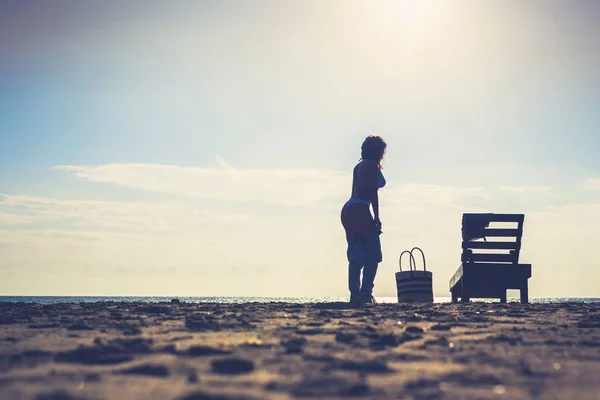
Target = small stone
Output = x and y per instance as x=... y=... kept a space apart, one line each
x=366 y=366
x=310 y=331
x=192 y=376
x=79 y=326
x=201 y=322
x=441 y=327
x=388 y=339
x=414 y=329
x=343 y=337
x=131 y=331
x=147 y=369
x=556 y=366
x=414 y=318
x=232 y=366
x=205 y=351
x=499 y=389
x=294 y=345
x=152 y=309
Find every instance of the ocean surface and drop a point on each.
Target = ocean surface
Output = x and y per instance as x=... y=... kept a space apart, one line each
x=237 y=300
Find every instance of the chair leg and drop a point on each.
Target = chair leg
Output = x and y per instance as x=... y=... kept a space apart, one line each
x=464 y=297
x=455 y=294
x=503 y=295
x=524 y=293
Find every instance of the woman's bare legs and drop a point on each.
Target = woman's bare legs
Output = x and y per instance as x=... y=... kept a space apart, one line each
x=369 y=272
x=354 y=269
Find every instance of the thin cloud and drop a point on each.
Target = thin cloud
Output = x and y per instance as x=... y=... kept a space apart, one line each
x=529 y=189
x=295 y=187
x=94 y=214
x=592 y=184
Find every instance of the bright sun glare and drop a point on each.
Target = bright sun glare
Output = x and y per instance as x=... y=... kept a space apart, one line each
x=409 y=9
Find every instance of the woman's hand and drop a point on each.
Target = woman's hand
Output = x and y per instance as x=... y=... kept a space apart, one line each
x=378 y=224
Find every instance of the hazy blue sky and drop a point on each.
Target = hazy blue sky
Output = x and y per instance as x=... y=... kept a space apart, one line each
x=205 y=148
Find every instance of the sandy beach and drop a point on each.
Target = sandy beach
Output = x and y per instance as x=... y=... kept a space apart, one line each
x=284 y=351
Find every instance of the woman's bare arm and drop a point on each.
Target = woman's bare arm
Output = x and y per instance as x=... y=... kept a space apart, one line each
x=369 y=175
x=375 y=203
x=353 y=181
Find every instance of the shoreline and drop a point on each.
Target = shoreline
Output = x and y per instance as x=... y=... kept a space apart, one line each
x=113 y=350
x=44 y=300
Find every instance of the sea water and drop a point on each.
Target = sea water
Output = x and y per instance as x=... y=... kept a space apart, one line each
x=239 y=300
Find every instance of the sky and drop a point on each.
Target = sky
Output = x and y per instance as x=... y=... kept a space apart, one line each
x=205 y=148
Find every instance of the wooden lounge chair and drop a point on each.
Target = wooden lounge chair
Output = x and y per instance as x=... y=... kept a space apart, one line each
x=490 y=267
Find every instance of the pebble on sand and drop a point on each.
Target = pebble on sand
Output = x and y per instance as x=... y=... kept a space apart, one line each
x=232 y=366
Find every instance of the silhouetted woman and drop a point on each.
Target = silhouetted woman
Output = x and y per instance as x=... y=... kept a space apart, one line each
x=362 y=228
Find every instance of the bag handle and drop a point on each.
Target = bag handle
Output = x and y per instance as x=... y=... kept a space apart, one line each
x=411 y=260
x=423 y=255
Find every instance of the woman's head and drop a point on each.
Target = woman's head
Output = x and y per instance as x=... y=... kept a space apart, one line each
x=373 y=148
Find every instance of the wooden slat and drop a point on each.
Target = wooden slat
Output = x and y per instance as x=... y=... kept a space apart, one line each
x=496 y=271
x=508 y=258
x=497 y=217
x=494 y=232
x=491 y=245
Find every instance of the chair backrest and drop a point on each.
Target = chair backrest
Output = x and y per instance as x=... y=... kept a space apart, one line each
x=476 y=233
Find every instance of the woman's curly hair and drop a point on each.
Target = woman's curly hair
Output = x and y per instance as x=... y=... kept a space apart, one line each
x=373 y=148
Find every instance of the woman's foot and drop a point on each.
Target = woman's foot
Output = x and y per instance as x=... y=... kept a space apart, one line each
x=355 y=300
x=367 y=298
